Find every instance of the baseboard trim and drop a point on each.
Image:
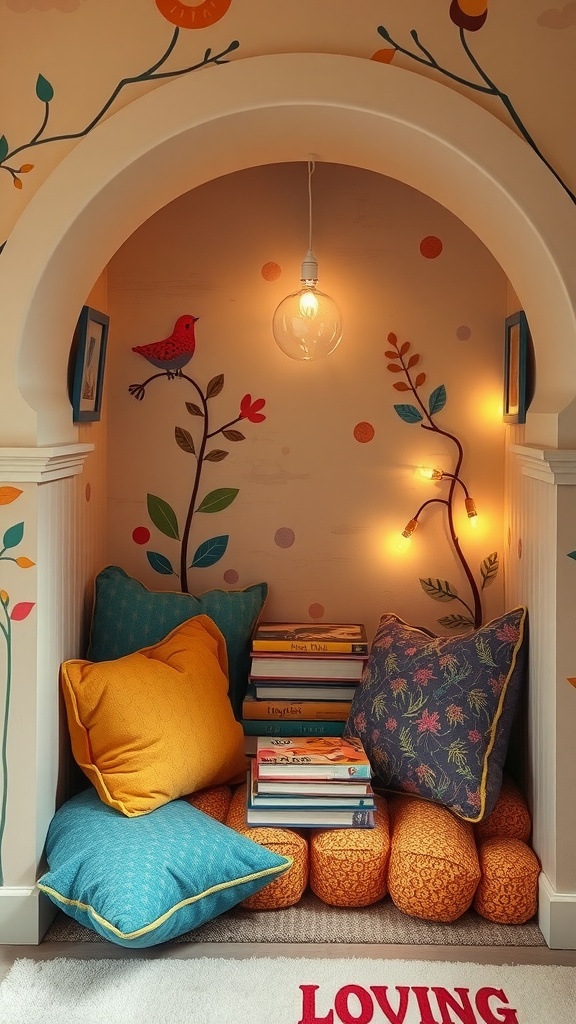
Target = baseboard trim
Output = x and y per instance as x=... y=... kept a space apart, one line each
x=25 y=915
x=556 y=915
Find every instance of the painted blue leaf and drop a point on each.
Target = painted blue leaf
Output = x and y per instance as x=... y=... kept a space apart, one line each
x=437 y=399
x=572 y=554
x=408 y=413
x=44 y=90
x=13 y=536
x=209 y=552
x=160 y=563
x=3 y=148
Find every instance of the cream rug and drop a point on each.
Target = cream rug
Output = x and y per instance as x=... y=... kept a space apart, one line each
x=284 y=991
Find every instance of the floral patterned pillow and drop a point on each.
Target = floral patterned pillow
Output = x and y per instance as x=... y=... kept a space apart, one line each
x=435 y=713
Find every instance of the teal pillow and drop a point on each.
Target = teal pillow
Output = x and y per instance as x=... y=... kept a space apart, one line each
x=141 y=881
x=127 y=617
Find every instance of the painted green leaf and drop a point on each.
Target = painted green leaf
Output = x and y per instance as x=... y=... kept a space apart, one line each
x=44 y=90
x=163 y=516
x=572 y=554
x=194 y=409
x=440 y=590
x=408 y=413
x=184 y=440
x=209 y=552
x=160 y=563
x=455 y=621
x=233 y=435
x=3 y=148
x=218 y=499
x=13 y=536
x=216 y=455
x=215 y=386
x=437 y=400
x=489 y=569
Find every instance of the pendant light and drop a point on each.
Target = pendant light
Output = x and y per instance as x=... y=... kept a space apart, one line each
x=307 y=324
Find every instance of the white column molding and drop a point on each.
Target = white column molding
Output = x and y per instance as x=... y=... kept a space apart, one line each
x=38 y=465
x=552 y=465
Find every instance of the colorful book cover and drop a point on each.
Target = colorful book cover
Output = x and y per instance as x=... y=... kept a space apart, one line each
x=311 y=637
x=312 y=757
x=283 y=727
x=322 y=666
x=294 y=710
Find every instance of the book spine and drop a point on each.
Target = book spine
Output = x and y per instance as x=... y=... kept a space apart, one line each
x=294 y=710
x=315 y=773
x=310 y=646
x=273 y=727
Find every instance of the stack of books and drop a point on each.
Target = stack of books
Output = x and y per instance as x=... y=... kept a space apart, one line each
x=303 y=677
x=310 y=782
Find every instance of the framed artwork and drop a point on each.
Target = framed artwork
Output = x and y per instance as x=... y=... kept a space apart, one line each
x=516 y=366
x=90 y=339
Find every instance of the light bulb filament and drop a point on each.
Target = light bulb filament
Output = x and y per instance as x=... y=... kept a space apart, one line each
x=308 y=303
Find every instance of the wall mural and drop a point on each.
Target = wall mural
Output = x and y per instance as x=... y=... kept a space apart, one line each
x=171 y=354
x=440 y=590
x=19 y=611
x=182 y=16
x=468 y=16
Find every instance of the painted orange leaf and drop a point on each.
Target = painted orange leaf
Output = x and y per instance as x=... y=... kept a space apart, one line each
x=420 y=379
x=390 y=354
x=394 y=368
x=21 y=610
x=25 y=563
x=16 y=182
x=404 y=348
x=26 y=168
x=401 y=386
x=413 y=360
x=384 y=56
x=392 y=338
x=8 y=494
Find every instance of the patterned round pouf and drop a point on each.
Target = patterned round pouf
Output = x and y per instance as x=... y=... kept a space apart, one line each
x=508 y=889
x=348 y=865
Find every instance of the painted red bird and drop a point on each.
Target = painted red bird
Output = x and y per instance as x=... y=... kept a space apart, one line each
x=172 y=353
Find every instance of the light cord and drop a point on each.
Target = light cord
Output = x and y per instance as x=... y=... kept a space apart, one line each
x=311 y=167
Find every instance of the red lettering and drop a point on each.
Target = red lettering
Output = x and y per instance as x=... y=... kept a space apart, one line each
x=363 y=997
x=309 y=1007
x=421 y=993
x=394 y=1016
x=502 y=1015
x=447 y=1002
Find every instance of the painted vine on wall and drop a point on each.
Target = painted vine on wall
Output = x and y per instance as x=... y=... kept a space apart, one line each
x=170 y=355
x=178 y=14
x=19 y=611
x=468 y=16
x=401 y=362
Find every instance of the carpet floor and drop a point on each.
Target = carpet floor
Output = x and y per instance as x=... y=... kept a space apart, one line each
x=284 y=991
x=313 y=921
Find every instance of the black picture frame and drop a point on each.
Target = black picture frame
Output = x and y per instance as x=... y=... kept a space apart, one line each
x=89 y=347
x=516 y=367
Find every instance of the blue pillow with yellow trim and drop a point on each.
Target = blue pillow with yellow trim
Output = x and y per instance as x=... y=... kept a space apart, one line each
x=435 y=713
x=141 y=881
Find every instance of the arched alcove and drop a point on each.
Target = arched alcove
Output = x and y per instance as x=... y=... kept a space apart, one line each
x=273 y=109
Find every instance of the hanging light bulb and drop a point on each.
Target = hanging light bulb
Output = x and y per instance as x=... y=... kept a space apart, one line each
x=307 y=324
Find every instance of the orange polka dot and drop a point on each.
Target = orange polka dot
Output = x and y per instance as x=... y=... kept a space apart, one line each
x=431 y=247
x=364 y=432
x=88 y=492
x=384 y=56
x=271 y=271
x=316 y=611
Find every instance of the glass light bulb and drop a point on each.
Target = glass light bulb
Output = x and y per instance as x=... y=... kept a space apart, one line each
x=402 y=543
x=307 y=325
x=431 y=474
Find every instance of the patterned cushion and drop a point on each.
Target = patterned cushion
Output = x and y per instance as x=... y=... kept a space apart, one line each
x=435 y=713
x=508 y=889
x=128 y=616
x=284 y=891
x=214 y=801
x=141 y=881
x=157 y=724
x=348 y=865
x=510 y=818
x=433 y=869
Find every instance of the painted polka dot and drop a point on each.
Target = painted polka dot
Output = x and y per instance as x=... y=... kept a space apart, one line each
x=231 y=576
x=463 y=332
x=509 y=536
x=284 y=537
x=385 y=56
x=431 y=247
x=141 y=535
x=316 y=611
x=363 y=432
x=285 y=451
x=520 y=547
x=87 y=492
x=271 y=271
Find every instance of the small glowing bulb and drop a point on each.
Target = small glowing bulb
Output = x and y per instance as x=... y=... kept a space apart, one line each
x=406 y=535
x=431 y=474
x=402 y=544
x=471 y=511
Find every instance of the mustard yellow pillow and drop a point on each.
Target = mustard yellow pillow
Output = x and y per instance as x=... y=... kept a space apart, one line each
x=157 y=724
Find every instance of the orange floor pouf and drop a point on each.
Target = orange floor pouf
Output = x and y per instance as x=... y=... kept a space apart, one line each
x=215 y=801
x=510 y=817
x=348 y=865
x=286 y=890
x=508 y=889
x=433 y=869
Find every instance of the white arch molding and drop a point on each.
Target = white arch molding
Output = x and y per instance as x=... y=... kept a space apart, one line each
x=272 y=109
